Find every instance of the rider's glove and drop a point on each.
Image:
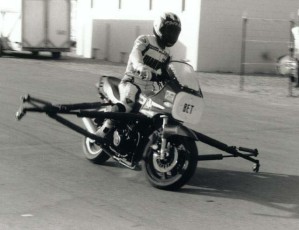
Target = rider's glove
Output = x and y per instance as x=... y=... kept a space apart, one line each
x=144 y=72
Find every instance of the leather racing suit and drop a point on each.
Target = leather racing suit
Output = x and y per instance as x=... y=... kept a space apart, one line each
x=145 y=64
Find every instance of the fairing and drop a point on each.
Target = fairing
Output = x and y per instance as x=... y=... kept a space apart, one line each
x=181 y=97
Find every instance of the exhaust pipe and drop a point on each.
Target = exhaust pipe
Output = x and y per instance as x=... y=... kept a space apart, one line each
x=89 y=125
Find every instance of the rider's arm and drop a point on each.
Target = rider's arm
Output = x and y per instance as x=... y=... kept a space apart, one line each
x=136 y=58
x=140 y=45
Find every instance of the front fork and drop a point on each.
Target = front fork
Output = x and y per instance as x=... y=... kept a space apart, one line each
x=163 y=138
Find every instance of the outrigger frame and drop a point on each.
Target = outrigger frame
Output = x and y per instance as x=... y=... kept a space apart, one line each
x=88 y=110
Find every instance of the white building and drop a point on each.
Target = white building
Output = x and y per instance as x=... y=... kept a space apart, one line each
x=211 y=37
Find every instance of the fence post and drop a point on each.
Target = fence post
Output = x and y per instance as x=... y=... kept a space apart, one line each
x=243 y=47
x=292 y=41
x=108 y=42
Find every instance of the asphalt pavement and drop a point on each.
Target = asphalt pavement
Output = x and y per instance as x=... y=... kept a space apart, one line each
x=46 y=183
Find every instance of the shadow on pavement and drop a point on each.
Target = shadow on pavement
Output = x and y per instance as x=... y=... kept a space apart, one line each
x=276 y=191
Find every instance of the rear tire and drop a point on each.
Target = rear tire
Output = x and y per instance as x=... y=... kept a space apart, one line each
x=94 y=152
x=177 y=168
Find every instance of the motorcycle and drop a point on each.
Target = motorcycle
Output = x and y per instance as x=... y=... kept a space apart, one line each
x=157 y=135
x=288 y=65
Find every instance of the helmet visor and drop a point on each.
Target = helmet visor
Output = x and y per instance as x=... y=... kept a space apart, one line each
x=170 y=34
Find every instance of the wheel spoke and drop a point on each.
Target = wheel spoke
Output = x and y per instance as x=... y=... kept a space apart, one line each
x=176 y=168
x=164 y=176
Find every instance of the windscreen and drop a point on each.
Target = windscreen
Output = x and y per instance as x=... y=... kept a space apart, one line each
x=185 y=74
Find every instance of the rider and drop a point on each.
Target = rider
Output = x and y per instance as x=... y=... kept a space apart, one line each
x=149 y=56
x=295 y=32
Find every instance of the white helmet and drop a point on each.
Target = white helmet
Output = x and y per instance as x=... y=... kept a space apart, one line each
x=286 y=65
x=167 y=28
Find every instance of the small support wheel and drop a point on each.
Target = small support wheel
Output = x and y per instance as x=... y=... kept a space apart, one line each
x=20 y=114
x=256 y=167
x=25 y=98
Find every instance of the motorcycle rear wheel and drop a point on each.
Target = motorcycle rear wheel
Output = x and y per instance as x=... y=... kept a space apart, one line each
x=176 y=169
x=94 y=152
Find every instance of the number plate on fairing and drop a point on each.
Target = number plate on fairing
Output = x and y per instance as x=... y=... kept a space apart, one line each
x=187 y=108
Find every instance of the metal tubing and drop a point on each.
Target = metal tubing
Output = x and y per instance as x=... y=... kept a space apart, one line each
x=210 y=157
x=28 y=98
x=229 y=149
x=78 y=129
x=52 y=111
x=212 y=142
x=253 y=151
x=48 y=107
x=75 y=127
x=91 y=105
x=114 y=115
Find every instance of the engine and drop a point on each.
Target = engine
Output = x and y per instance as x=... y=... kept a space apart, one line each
x=125 y=140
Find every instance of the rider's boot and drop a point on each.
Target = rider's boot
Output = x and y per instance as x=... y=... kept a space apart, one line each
x=108 y=125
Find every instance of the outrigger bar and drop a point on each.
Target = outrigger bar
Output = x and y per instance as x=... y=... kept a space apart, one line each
x=81 y=110
x=245 y=153
x=43 y=106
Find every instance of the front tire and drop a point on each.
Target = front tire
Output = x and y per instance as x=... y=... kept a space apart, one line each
x=176 y=169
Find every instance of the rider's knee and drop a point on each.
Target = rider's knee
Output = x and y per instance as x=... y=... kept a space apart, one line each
x=128 y=104
x=118 y=107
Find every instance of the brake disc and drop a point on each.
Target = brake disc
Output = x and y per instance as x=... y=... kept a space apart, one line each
x=166 y=164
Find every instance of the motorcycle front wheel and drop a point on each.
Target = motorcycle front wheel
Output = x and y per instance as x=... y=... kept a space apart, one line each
x=178 y=166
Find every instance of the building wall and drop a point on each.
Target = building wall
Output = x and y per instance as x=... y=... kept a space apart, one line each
x=211 y=30
x=113 y=39
x=116 y=24
x=84 y=28
x=221 y=34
